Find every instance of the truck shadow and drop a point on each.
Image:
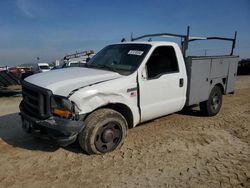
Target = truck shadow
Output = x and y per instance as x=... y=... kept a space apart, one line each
x=11 y=133
x=191 y=111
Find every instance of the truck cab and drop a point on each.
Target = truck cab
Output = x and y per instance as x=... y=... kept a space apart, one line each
x=121 y=86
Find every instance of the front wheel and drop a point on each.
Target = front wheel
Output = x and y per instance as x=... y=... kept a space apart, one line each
x=212 y=106
x=105 y=130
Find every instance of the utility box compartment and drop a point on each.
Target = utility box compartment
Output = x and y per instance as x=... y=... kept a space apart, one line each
x=205 y=72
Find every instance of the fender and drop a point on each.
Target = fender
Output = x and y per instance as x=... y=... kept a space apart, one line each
x=92 y=97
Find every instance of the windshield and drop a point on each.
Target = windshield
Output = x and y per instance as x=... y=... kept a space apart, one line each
x=44 y=67
x=121 y=58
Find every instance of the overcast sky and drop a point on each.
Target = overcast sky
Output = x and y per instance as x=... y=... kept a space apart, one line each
x=49 y=29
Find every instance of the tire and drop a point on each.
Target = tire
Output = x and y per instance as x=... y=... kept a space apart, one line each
x=212 y=106
x=105 y=130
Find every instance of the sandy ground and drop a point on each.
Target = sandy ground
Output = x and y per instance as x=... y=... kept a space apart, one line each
x=179 y=150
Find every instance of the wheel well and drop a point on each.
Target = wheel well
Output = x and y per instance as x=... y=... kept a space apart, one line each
x=221 y=88
x=124 y=110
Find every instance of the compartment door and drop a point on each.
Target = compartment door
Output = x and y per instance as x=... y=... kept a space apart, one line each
x=232 y=73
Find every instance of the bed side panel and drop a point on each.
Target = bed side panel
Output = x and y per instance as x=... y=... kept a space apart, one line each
x=198 y=71
x=232 y=74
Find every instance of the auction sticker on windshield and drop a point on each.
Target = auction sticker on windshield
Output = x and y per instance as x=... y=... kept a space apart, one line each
x=135 y=52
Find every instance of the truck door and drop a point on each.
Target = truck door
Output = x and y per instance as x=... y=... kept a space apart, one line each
x=161 y=85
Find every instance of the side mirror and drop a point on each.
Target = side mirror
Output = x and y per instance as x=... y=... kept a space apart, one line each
x=144 y=73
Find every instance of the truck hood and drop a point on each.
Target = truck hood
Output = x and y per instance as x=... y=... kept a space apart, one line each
x=63 y=81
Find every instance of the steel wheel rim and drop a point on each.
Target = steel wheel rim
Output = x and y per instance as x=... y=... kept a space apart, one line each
x=215 y=102
x=108 y=137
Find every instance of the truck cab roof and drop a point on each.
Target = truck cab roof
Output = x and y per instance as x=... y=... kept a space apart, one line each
x=152 y=43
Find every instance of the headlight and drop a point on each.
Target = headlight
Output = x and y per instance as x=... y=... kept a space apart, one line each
x=61 y=106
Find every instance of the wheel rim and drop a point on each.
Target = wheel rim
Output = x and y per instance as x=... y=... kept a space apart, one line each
x=108 y=137
x=215 y=102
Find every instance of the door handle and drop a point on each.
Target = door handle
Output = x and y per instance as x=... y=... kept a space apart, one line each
x=181 y=82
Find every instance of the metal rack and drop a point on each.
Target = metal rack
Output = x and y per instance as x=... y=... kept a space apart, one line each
x=79 y=54
x=185 y=39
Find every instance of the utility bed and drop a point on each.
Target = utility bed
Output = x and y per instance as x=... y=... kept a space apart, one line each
x=204 y=71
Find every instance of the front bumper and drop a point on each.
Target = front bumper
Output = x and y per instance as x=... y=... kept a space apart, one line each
x=58 y=131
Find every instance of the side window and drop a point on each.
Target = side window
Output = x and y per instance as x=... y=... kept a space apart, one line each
x=162 y=61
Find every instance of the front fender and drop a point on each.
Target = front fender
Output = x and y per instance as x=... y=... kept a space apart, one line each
x=89 y=100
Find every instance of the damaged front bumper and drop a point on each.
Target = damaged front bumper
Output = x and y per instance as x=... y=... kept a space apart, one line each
x=56 y=130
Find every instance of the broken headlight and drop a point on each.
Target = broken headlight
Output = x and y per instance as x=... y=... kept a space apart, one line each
x=61 y=106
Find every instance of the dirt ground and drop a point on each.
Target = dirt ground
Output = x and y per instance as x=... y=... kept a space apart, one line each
x=179 y=150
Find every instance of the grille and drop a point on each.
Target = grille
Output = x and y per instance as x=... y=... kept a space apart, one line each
x=36 y=100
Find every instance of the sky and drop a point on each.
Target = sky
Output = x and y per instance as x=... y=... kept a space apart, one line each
x=50 y=29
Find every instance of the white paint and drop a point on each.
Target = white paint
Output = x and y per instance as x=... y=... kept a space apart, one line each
x=163 y=95
x=158 y=97
x=41 y=67
x=113 y=91
x=63 y=81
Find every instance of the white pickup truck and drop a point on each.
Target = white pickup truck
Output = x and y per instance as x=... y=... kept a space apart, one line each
x=122 y=86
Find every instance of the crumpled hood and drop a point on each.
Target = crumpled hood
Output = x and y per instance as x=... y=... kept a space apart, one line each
x=63 y=81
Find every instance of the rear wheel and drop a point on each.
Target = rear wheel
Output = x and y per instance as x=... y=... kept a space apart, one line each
x=212 y=106
x=105 y=131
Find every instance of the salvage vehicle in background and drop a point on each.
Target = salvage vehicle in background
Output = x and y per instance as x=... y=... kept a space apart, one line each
x=3 y=68
x=244 y=67
x=77 y=59
x=9 y=83
x=15 y=71
x=73 y=64
x=42 y=67
x=122 y=86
